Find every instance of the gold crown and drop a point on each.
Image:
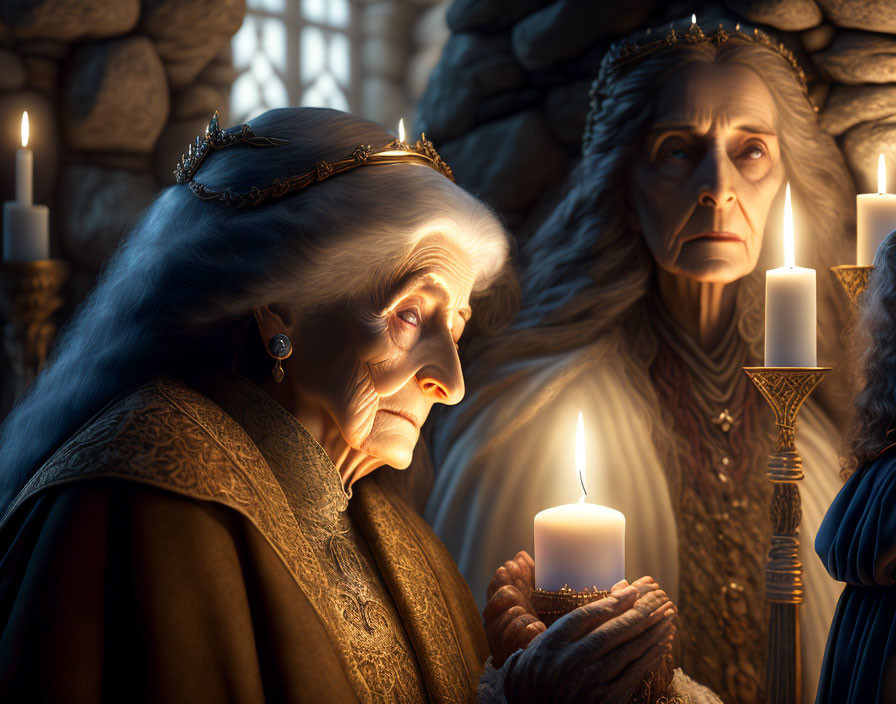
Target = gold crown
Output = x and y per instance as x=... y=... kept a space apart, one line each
x=627 y=53
x=633 y=50
x=395 y=152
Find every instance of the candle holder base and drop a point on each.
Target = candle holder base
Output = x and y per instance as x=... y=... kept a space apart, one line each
x=551 y=606
x=30 y=294
x=853 y=279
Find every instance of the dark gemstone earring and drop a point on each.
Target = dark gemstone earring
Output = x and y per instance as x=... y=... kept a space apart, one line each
x=279 y=348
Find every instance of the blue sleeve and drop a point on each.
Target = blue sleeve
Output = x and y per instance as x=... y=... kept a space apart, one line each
x=857 y=539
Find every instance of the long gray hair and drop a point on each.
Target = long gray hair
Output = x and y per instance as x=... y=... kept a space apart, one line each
x=176 y=297
x=587 y=274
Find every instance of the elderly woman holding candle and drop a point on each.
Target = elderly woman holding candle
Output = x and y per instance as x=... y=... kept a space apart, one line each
x=857 y=540
x=190 y=508
x=642 y=302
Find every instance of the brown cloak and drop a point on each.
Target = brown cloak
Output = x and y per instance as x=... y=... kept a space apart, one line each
x=181 y=550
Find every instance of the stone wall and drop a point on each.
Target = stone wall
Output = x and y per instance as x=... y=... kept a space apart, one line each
x=115 y=90
x=401 y=41
x=507 y=102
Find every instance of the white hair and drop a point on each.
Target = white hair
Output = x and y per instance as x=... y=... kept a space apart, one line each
x=177 y=295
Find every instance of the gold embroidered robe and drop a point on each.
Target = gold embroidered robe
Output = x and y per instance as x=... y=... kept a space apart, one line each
x=176 y=551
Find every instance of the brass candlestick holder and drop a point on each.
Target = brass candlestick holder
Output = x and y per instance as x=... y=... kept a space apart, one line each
x=29 y=296
x=785 y=389
x=853 y=279
x=553 y=605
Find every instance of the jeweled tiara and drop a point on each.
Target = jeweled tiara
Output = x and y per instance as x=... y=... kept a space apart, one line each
x=633 y=50
x=395 y=152
x=625 y=54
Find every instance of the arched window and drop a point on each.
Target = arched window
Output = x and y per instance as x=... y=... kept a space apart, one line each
x=294 y=52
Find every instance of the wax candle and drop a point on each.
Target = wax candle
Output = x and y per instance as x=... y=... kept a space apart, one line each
x=24 y=168
x=790 y=336
x=580 y=546
x=26 y=227
x=875 y=217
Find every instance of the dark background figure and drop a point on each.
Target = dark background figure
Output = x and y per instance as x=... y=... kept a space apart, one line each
x=857 y=539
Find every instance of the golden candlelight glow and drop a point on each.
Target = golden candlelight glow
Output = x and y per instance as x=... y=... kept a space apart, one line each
x=401 y=134
x=881 y=174
x=580 y=454
x=25 y=129
x=788 y=230
x=693 y=18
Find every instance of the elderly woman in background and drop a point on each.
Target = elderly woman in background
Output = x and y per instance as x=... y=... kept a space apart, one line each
x=184 y=511
x=642 y=301
x=857 y=539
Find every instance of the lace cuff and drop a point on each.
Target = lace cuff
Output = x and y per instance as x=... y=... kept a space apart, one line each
x=686 y=691
x=491 y=684
x=683 y=689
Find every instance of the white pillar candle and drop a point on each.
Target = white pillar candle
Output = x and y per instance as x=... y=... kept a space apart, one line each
x=580 y=546
x=26 y=227
x=875 y=217
x=790 y=312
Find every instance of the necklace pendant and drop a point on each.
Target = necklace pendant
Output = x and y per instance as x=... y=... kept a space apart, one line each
x=725 y=421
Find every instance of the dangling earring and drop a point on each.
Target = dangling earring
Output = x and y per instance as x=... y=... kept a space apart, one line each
x=280 y=348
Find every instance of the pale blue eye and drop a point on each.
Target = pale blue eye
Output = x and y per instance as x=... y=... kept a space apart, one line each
x=409 y=316
x=755 y=153
x=677 y=154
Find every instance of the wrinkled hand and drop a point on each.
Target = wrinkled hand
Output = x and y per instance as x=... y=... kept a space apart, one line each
x=597 y=653
x=510 y=621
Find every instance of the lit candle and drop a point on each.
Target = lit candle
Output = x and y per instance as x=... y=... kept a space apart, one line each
x=790 y=337
x=875 y=217
x=401 y=134
x=26 y=227
x=580 y=546
x=24 y=167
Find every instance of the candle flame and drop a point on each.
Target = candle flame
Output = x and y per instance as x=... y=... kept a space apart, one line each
x=25 y=130
x=788 y=229
x=401 y=130
x=881 y=174
x=693 y=18
x=580 y=455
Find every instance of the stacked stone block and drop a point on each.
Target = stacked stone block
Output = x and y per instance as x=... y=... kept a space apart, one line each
x=115 y=89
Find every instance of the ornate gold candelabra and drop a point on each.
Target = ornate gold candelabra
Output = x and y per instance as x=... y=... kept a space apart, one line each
x=29 y=296
x=785 y=389
x=853 y=279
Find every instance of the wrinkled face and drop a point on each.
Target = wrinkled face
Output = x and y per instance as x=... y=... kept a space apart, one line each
x=378 y=371
x=708 y=172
